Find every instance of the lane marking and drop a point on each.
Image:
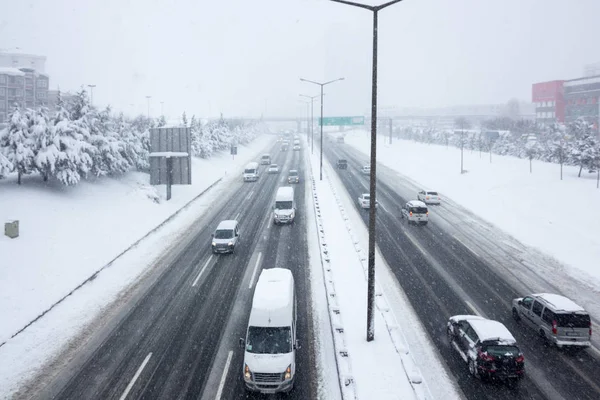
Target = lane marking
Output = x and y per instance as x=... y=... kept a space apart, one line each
x=224 y=376
x=202 y=270
x=467 y=247
x=382 y=207
x=237 y=216
x=472 y=308
x=593 y=348
x=135 y=377
x=255 y=268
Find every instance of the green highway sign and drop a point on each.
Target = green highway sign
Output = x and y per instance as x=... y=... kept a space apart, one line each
x=342 y=121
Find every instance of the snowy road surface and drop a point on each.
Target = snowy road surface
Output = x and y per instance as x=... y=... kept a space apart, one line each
x=443 y=275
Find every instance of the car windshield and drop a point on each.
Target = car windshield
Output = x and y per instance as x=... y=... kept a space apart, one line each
x=418 y=210
x=432 y=193
x=269 y=340
x=283 y=205
x=293 y=173
x=573 y=320
x=366 y=196
x=224 y=234
x=249 y=171
x=273 y=166
x=501 y=351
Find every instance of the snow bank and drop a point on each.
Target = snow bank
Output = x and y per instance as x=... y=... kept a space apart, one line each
x=557 y=217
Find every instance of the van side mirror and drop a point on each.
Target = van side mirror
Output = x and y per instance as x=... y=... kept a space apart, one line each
x=212 y=235
x=242 y=343
x=520 y=302
x=297 y=345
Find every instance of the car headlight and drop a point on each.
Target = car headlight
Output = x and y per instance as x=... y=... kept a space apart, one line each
x=230 y=243
x=288 y=372
x=247 y=373
x=214 y=243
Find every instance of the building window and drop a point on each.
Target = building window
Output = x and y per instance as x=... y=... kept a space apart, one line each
x=19 y=92
x=41 y=95
x=2 y=92
x=41 y=83
x=2 y=78
x=2 y=105
x=28 y=92
x=12 y=92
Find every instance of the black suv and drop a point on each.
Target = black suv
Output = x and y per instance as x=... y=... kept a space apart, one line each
x=342 y=164
x=487 y=347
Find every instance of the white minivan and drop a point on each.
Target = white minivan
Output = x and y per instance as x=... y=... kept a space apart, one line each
x=285 y=206
x=251 y=172
x=271 y=344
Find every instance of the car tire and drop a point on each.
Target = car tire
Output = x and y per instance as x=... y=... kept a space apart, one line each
x=473 y=369
x=515 y=315
x=449 y=336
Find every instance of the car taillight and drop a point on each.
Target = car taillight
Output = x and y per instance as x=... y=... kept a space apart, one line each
x=554 y=330
x=427 y=197
x=427 y=213
x=410 y=214
x=520 y=359
x=485 y=356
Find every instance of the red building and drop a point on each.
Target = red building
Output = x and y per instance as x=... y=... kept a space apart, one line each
x=549 y=101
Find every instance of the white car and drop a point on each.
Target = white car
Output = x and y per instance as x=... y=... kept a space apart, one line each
x=364 y=201
x=429 y=197
x=273 y=169
x=366 y=169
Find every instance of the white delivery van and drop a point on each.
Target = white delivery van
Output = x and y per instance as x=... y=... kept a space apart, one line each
x=271 y=344
x=265 y=159
x=285 y=206
x=251 y=172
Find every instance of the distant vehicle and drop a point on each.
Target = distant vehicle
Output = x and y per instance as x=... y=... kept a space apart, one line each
x=557 y=319
x=226 y=237
x=429 y=197
x=251 y=172
x=273 y=169
x=265 y=159
x=342 y=164
x=340 y=139
x=364 y=200
x=415 y=212
x=366 y=169
x=285 y=146
x=293 y=176
x=297 y=147
x=488 y=348
x=271 y=343
x=285 y=206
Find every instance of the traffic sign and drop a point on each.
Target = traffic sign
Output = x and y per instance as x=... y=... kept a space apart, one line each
x=342 y=121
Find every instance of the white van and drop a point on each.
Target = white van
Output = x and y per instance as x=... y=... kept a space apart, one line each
x=251 y=172
x=285 y=206
x=271 y=344
x=265 y=159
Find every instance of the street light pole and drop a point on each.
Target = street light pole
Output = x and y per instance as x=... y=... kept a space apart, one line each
x=312 y=118
x=372 y=186
x=92 y=93
x=148 y=98
x=321 y=119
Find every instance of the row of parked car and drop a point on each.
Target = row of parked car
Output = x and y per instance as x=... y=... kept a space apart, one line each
x=491 y=351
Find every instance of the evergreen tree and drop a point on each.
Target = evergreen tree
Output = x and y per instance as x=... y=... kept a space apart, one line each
x=161 y=122
x=184 y=119
x=6 y=166
x=45 y=150
x=16 y=144
x=583 y=152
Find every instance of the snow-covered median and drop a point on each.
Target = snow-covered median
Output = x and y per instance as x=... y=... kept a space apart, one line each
x=386 y=367
x=558 y=217
x=67 y=234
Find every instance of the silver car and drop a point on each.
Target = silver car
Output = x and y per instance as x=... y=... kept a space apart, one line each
x=556 y=318
x=225 y=237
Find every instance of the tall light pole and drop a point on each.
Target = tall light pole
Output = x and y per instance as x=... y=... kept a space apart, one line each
x=148 y=98
x=307 y=114
x=321 y=84
x=92 y=93
x=372 y=187
x=312 y=118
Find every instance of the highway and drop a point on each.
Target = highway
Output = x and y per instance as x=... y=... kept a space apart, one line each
x=442 y=276
x=179 y=338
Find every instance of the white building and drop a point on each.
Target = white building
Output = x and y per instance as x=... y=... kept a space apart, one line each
x=12 y=59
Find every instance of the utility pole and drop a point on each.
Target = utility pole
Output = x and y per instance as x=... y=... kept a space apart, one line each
x=312 y=136
x=92 y=93
x=322 y=84
x=148 y=98
x=372 y=187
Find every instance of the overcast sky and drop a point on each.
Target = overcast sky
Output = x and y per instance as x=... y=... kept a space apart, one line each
x=244 y=57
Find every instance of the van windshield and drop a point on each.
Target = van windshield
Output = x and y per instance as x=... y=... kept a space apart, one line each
x=224 y=234
x=283 y=205
x=418 y=210
x=269 y=340
x=249 y=171
x=573 y=320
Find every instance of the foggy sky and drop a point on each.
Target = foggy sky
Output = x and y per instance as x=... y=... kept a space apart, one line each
x=245 y=57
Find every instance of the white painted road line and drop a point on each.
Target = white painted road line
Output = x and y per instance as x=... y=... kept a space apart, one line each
x=594 y=349
x=468 y=248
x=224 y=376
x=135 y=377
x=384 y=209
x=202 y=270
x=472 y=308
x=237 y=216
x=255 y=268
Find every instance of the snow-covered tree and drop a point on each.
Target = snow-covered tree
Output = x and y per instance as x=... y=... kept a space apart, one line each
x=184 y=119
x=45 y=149
x=161 y=122
x=16 y=144
x=6 y=166
x=584 y=151
x=110 y=155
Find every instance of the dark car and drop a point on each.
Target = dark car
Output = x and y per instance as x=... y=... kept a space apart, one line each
x=488 y=348
x=342 y=164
